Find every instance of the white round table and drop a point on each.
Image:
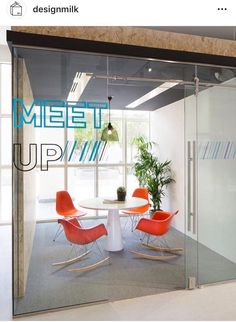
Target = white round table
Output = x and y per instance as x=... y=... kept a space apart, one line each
x=114 y=238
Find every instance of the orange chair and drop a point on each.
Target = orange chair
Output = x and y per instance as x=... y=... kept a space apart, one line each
x=65 y=208
x=157 y=226
x=77 y=235
x=135 y=213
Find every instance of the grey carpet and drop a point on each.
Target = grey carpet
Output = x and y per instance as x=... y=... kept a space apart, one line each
x=125 y=277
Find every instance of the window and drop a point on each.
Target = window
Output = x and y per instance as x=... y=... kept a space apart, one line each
x=87 y=179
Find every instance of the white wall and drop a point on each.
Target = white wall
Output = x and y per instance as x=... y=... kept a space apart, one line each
x=3 y=30
x=167 y=130
x=5 y=56
x=217 y=171
x=216 y=191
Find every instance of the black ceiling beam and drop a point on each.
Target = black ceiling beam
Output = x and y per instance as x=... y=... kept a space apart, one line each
x=54 y=42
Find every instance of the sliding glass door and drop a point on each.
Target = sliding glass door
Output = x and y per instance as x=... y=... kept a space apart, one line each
x=210 y=145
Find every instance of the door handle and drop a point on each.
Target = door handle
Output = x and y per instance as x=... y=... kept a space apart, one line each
x=191 y=190
x=189 y=185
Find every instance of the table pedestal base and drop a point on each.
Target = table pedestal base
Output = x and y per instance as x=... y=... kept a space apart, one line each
x=114 y=241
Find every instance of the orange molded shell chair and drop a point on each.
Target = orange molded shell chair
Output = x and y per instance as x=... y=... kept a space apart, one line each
x=66 y=208
x=77 y=235
x=135 y=213
x=158 y=225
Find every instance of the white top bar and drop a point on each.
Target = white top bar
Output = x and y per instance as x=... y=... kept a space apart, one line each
x=118 y=13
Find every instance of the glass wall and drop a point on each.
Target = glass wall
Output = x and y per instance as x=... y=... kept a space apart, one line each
x=86 y=178
x=41 y=270
x=50 y=268
x=211 y=216
x=5 y=143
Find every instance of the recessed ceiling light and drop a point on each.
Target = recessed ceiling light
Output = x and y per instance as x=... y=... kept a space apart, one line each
x=156 y=91
x=149 y=69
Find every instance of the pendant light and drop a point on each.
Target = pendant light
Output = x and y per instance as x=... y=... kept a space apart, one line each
x=109 y=133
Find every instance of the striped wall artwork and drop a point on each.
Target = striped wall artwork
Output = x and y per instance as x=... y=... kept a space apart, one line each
x=97 y=150
x=217 y=150
x=84 y=152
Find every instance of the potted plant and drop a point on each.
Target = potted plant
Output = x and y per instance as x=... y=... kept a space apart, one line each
x=157 y=180
x=143 y=159
x=121 y=193
x=151 y=173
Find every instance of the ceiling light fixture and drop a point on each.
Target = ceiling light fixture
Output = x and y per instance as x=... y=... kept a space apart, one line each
x=109 y=133
x=153 y=93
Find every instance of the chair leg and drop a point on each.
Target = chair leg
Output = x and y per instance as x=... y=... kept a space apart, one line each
x=126 y=219
x=90 y=267
x=153 y=257
x=71 y=261
x=162 y=246
x=163 y=249
x=98 y=247
x=134 y=221
x=101 y=251
x=58 y=233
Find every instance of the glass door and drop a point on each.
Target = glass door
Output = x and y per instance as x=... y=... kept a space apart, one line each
x=210 y=145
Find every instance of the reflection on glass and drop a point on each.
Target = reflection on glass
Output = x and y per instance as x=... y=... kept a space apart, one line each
x=134 y=130
x=136 y=115
x=132 y=182
x=50 y=136
x=109 y=179
x=83 y=139
x=47 y=184
x=5 y=90
x=5 y=196
x=81 y=185
x=6 y=151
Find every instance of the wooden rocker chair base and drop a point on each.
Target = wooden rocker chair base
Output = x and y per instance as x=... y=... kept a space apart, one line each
x=163 y=249
x=153 y=257
x=73 y=260
x=88 y=268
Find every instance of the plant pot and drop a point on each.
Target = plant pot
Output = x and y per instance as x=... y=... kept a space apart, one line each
x=121 y=196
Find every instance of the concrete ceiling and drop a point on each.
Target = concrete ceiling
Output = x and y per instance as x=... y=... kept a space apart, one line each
x=206 y=31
